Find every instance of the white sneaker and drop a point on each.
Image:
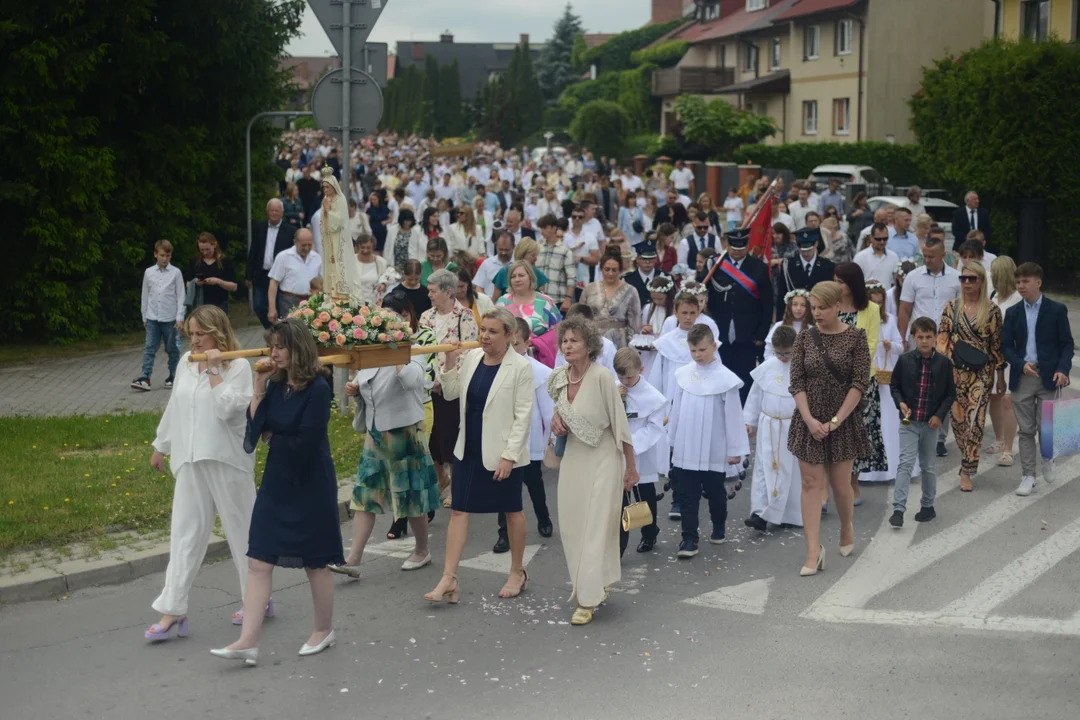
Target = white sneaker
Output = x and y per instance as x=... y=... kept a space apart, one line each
x=1049 y=471
x=1027 y=486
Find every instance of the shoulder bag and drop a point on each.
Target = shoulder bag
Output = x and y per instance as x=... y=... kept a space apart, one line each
x=965 y=355
x=833 y=370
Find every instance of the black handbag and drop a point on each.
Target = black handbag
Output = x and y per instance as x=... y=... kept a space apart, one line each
x=965 y=355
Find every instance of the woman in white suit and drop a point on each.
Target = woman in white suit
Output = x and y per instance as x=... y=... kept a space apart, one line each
x=404 y=241
x=466 y=234
x=492 y=451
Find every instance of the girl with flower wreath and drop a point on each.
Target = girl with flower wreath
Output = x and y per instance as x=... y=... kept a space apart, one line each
x=797 y=316
x=890 y=347
x=700 y=293
x=661 y=306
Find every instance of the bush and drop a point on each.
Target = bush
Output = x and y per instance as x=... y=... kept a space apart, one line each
x=614 y=54
x=998 y=119
x=602 y=126
x=901 y=164
x=604 y=87
x=557 y=117
x=635 y=96
x=714 y=129
x=665 y=54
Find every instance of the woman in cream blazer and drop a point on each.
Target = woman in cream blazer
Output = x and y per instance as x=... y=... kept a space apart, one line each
x=495 y=385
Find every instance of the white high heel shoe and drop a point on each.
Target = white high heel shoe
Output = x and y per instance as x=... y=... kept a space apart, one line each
x=249 y=656
x=328 y=641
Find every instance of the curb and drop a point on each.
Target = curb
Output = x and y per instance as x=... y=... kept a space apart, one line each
x=53 y=582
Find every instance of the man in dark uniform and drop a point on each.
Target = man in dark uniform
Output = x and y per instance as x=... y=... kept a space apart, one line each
x=805 y=270
x=646 y=269
x=741 y=302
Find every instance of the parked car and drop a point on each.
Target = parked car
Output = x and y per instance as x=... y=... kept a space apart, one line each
x=873 y=181
x=941 y=211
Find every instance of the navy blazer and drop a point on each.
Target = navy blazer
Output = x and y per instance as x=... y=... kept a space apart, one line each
x=1053 y=341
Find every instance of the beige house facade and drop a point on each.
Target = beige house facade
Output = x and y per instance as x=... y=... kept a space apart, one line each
x=824 y=70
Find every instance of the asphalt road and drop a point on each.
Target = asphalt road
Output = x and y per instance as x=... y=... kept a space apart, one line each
x=974 y=615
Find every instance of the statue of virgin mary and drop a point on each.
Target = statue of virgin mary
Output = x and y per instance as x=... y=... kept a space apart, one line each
x=340 y=269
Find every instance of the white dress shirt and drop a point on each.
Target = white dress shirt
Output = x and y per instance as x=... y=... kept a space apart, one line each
x=878 y=267
x=163 y=294
x=293 y=273
x=485 y=276
x=929 y=293
x=271 y=241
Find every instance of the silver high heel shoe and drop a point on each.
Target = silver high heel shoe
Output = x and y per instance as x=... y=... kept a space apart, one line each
x=249 y=656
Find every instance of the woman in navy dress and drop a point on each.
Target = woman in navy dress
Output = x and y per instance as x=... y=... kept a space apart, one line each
x=295 y=520
x=492 y=448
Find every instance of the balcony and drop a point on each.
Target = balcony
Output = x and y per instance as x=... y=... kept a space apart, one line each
x=697 y=81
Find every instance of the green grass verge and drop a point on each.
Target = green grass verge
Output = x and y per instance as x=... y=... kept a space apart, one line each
x=74 y=478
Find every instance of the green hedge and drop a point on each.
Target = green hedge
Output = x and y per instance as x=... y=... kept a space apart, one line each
x=602 y=126
x=1000 y=119
x=614 y=54
x=901 y=164
x=664 y=54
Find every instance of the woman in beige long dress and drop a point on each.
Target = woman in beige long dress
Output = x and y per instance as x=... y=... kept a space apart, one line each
x=597 y=465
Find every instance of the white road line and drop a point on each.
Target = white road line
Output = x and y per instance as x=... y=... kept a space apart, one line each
x=890 y=559
x=499 y=563
x=749 y=597
x=1011 y=580
x=908 y=618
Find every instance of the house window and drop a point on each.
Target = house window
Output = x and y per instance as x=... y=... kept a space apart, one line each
x=841 y=110
x=1036 y=19
x=811 y=42
x=809 y=117
x=750 y=57
x=774 y=57
x=763 y=109
x=843 y=37
x=752 y=5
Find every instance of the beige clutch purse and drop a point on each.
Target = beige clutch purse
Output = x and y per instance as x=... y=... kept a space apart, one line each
x=636 y=514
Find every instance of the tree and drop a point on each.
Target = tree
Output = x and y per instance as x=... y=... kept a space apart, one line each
x=996 y=119
x=602 y=126
x=554 y=68
x=429 y=114
x=130 y=120
x=718 y=127
x=450 y=100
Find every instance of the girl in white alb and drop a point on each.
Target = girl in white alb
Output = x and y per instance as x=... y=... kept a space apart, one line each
x=776 y=493
x=796 y=316
x=653 y=315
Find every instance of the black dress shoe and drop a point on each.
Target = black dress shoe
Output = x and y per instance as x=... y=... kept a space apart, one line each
x=502 y=545
x=646 y=545
x=545 y=529
x=942 y=451
x=755 y=522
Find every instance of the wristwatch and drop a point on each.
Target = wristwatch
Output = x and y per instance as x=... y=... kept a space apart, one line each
x=214 y=370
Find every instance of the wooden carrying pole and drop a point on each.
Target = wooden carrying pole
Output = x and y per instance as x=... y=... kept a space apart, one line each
x=344 y=358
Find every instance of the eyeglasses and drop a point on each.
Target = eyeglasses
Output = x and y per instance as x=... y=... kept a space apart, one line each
x=701 y=227
x=968 y=278
x=577 y=217
x=881 y=239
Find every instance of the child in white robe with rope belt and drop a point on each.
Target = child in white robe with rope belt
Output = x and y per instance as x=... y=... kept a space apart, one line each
x=776 y=493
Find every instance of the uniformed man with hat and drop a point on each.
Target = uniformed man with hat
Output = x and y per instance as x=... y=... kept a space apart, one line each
x=805 y=270
x=741 y=302
x=646 y=268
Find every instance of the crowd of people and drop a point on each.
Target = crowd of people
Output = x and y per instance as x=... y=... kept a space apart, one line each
x=627 y=336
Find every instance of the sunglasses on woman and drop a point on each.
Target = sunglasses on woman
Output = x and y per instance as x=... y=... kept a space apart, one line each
x=968 y=278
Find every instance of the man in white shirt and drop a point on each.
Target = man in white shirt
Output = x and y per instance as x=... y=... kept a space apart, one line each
x=585 y=246
x=630 y=181
x=687 y=250
x=877 y=261
x=799 y=209
x=592 y=225
x=682 y=178
x=417 y=188
x=902 y=242
x=882 y=215
x=549 y=205
x=734 y=207
x=292 y=275
x=446 y=190
x=506 y=173
x=504 y=253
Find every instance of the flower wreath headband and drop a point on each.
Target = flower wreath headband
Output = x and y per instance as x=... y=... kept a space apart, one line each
x=667 y=287
x=874 y=285
x=697 y=289
x=794 y=294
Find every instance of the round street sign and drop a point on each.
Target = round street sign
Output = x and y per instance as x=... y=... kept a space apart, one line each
x=365 y=102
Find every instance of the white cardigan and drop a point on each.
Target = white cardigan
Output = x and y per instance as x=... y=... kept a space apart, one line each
x=390 y=399
x=475 y=244
x=417 y=243
x=508 y=412
x=204 y=423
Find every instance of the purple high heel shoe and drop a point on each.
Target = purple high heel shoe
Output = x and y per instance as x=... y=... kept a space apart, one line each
x=238 y=616
x=157 y=633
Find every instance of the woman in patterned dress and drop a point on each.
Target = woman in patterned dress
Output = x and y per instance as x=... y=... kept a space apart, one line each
x=973 y=319
x=827 y=433
x=857 y=311
x=614 y=301
x=523 y=300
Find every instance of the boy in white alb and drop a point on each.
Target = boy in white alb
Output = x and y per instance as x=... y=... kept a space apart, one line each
x=707 y=434
x=539 y=432
x=672 y=353
x=646 y=409
x=776 y=493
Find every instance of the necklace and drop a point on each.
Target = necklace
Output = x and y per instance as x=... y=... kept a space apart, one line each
x=570 y=379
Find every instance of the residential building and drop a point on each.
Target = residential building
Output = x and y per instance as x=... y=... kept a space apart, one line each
x=478 y=63
x=1037 y=19
x=824 y=70
x=306 y=71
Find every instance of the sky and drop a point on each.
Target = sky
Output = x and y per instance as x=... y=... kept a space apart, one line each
x=478 y=21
